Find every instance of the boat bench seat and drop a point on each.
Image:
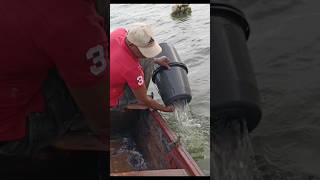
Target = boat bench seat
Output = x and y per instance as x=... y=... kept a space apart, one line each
x=165 y=172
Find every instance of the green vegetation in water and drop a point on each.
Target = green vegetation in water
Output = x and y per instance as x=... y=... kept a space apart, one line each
x=181 y=11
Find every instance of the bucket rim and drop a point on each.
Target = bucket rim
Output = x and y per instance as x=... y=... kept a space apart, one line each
x=170 y=101
x=171 y=64
x=224 y=10
x=248 y=110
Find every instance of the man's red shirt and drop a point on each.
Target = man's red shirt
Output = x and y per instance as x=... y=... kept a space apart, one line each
x=124 y=67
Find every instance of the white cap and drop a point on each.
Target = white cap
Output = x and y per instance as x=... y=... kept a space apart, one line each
x=140 y=34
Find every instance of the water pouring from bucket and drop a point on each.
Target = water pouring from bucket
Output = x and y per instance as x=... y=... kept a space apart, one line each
x=174 y=89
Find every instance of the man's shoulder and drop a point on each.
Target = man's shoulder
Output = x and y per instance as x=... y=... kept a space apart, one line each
x=122 y=61
x=117 y=47
x=118 y=32
x=117 y=36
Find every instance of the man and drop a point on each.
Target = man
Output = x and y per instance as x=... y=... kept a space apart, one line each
x=132 y=55
x=36 y=37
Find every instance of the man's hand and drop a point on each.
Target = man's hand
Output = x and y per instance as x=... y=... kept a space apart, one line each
x=141 y=94
x=168 y=109
x=162 y=61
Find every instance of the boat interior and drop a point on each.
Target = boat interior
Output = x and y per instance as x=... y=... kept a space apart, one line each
x=139 y=146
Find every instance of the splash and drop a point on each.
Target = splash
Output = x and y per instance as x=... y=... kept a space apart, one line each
x=233 y=156
x=189 y=130
x=135 y=158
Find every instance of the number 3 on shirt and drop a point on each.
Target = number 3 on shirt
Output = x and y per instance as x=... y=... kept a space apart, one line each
x=140 y=80
x=96 y=54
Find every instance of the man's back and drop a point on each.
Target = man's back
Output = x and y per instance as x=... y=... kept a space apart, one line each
x=35 y=37
x=124 y=67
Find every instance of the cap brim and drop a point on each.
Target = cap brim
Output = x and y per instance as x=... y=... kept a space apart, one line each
x=152 y=51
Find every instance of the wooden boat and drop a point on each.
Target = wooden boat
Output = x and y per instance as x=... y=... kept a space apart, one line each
x=158 y=145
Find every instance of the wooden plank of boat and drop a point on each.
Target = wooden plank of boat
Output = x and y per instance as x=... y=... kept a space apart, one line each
x=165 y=172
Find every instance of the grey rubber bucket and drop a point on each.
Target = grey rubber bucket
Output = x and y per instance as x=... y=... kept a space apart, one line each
x=172 y=84
x=235 y=92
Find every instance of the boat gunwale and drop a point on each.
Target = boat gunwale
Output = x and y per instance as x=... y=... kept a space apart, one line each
x=188 y=162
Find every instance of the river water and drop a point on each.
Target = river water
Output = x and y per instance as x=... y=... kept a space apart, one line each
x=191 y=38
x=285 y=51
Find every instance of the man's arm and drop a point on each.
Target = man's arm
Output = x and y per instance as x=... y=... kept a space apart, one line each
x=141 y=94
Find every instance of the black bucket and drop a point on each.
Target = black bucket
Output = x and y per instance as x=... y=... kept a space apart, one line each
x=173 y=84
x=235 y=92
